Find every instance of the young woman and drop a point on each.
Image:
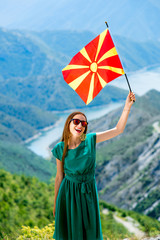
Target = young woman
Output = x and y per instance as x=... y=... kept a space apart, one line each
x=76 y=206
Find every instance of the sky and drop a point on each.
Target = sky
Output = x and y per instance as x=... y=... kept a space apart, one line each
x=138 y=19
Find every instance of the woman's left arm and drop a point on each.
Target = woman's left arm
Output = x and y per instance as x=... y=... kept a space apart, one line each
x=103 y=136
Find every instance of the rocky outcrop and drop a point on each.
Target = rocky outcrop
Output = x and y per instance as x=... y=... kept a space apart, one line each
x=128 y=173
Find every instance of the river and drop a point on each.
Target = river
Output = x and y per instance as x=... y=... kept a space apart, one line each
x=40 y=143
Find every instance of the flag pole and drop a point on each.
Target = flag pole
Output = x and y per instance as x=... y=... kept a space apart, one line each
x=128 y=82
x=107 y=24
x=125 y=73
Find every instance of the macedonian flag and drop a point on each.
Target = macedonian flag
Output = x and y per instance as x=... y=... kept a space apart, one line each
x=93 y=67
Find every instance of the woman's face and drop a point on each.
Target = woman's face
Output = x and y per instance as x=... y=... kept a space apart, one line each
x=77 y=130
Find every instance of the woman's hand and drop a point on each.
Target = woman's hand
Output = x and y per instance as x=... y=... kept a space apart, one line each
x=130 y=99
x=54 y=211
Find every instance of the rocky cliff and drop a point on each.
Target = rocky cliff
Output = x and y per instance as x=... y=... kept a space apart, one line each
x=128 y=166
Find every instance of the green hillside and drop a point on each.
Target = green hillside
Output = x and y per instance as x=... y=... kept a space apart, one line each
x=23 y=201
x=16 y=158
x=27 y=202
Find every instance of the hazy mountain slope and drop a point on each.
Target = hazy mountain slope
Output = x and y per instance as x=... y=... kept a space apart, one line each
x=137 y=55
x=137 y=20
x=24 y=54
x=128 y=166
x=19 y=121
x=31 y=64
x=20 y=57
x=53 y=93
x=134 y=55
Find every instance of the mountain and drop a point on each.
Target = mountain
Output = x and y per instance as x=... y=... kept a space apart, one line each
x=20 y=57
x=134 y=55
x=136 y=20
x=128 y=169
x=19 y=121
x=31 y=64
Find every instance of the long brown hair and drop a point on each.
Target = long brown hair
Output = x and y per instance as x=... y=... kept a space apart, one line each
x=66 y=133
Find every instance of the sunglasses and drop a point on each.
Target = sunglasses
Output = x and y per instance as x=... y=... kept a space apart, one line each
x=77 y=121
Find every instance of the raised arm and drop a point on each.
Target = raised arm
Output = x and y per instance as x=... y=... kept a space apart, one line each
x=103 y=136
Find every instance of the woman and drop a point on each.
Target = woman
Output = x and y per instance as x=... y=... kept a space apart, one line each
x=76 y=207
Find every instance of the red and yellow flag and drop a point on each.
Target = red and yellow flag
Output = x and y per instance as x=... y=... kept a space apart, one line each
x=93 y=67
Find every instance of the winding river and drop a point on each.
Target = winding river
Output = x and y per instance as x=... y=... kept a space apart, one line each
x=39 y=144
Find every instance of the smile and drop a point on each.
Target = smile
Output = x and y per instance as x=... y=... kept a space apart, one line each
x=79 y=130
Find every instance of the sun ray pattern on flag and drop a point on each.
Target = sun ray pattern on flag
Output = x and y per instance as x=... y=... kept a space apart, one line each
x=93 y=67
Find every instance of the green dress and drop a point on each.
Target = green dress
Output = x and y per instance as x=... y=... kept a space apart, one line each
x=77 y=214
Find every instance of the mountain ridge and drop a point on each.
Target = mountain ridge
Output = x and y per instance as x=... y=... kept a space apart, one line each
x=31 y=64
x=128 y=166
